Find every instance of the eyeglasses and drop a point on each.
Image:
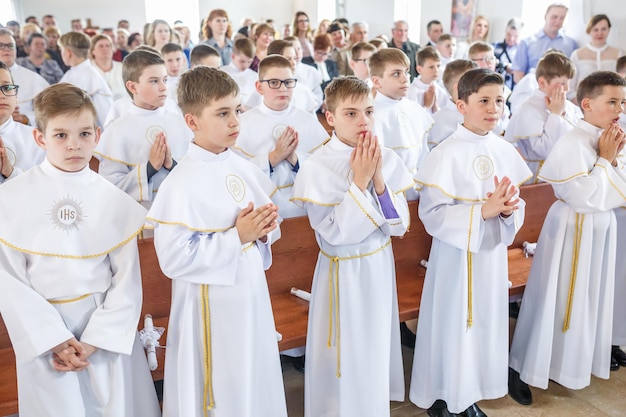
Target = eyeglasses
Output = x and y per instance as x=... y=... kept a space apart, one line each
x=275 y=84
x=365 y=60
x=303 y=21
x=9 y=46
x=9 y=89
x=487 y=59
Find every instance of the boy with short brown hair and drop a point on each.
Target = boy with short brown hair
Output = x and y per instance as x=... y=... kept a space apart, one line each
x=425 y=89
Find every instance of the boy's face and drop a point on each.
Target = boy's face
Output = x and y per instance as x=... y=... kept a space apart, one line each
x=211 y=61
x=150 y=91
x=447 y=48
x=605 y=108
x=69 y=140
x=276 y=98
x=174 y=63
x=429 y=72
x=7 y=103
x=290 y=54
x=217 y=127
x=352 y=119
x=549 y=87
x=483 y=109
x=298 y=48
x=485 y=60
x=395 y=81
x=241 y=61
x=361 y=65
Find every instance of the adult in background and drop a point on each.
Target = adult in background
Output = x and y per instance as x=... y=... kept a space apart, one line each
x=38 y=61
x=101 y=57
x=302 y=30
x=434 y=29
x=326 y=68
x=506 y=50
x=217 y=30
x=53 y=49
x=531 y=49
x=400 y=40
x=597 y=55
x=479 y=32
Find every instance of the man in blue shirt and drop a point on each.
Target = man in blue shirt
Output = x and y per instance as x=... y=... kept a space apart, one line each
x=531 y=49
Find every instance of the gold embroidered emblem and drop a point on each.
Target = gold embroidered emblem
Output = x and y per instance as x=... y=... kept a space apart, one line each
x=235 y=187
x=67 y=214
x=483 y=167
x=152 y=132
x=278 y=130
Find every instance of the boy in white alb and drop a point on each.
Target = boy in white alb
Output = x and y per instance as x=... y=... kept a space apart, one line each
x=563 y=332
x=448 y=118
x=75 y=51
x=70 y=284
x=140 y=148
x=353 y=191
x=468 y=204
x=446 y=48
x=18 y=151
x=547 y=115
x=277 y=136
x=175 y=64
x=29 y=81
x=306 y=74
x=360 y=55
x=239 y=67
x=401 y=124
x=214 y=227
x=425 y=89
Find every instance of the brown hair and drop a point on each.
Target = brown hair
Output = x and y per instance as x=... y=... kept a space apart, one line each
x=263 y=27
x=478 y=47
x=454 y=70
x=201 y=85
x=149 y=39
x=171 y=47
x=474 y=79
x=77 y=42
x=620 y=65
x=555 y=64
x=594 y=83
x=445 y=37
x=343 y=88
x=97 y=39
x=322 y=42
x=384 y=57
x=273 y=61
x=60 y=99
x=244 y=46
x=309 y=31
x=278 y=46
x=425 y=53
x=206 y=29
x=136 y=62
x=359 y=47
x=595 y=20
x=199 y=52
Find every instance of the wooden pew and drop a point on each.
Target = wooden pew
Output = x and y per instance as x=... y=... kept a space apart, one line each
x=294 y=258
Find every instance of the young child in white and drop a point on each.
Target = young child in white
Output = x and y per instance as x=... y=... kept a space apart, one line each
x=214 y=227
x=468 y=204
x=547 y=115
x=353 y=191
x=140 y=148
x=360 y=55
x=425 y=89
x=239 y=67
x=75 y=51
x=18 y=151
x=446 y=47
x=277 y=136
x=175 y=64
x=70 y=293
x=401 y=124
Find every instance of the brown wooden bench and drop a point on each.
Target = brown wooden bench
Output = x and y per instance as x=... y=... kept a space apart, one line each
x=294 y=258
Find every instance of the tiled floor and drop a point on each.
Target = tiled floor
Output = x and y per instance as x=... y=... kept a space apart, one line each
x=601 y=399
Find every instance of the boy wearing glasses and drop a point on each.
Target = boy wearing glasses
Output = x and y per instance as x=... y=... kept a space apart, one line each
x=18 y=151
x=361 y=53
x=277 y=136
x=31 y=83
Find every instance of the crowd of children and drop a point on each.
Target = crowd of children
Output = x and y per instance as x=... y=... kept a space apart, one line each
x=212 y=157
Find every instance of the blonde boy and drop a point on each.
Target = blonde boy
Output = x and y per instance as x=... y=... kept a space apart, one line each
x=70 y=293
x=18 y=151
x=175 y=64
x=352 y=189
x=446 y=47
x=447 y=119
x=141 y=147
x=75 y=52
x=547 y=115
x=425 y=89
x=564 y=328
x=401 y=124
x=215 y=251
x=360 y=55
x=468 y=204
x=239 y=67
x=277 y=136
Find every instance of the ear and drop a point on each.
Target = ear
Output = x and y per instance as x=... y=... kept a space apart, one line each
x=191 y=122
x=131 y=86
x=40 y=139
x=376 y=82
x=257 y=86
x=419 y=68
x=98 y=132
x=585 y=105
x=541 y=81
x=461 y=106
x=330 y=118
x=352 y=64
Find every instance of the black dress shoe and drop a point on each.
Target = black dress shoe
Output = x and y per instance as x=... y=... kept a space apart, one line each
x=614 y=364
x=439 y=409
x=407 y=337
x=473 y=411
x=518 y=389
x=298 y=363
x=619 y=355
